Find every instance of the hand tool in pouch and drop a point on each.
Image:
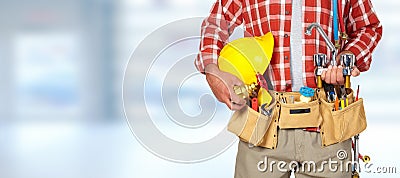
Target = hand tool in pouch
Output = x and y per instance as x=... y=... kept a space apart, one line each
x=356 y=165
x=254 y=104
x=358 y=91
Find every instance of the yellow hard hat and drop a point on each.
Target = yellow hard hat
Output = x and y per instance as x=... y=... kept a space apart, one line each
x=245 y=57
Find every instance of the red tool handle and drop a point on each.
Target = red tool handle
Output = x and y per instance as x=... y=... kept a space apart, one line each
x=358 y=91
x=312 y=129
x=254 y=104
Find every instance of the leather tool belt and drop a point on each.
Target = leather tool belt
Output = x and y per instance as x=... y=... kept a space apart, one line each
x=261 y=129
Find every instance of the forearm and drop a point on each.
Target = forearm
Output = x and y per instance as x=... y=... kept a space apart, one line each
x=364 y=32
x=211 y=69
x=225 y=15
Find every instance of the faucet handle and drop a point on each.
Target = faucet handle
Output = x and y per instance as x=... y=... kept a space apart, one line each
x=347 y=60
x=320 y=60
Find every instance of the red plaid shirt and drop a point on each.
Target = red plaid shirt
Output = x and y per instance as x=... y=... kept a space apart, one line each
x=259 y=17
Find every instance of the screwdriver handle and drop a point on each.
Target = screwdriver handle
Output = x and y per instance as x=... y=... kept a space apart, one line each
x=319 y=81
x=347 y=83
x=254 y=104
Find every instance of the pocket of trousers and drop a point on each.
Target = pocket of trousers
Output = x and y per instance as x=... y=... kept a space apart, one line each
x=338 y=126
x=300 y=115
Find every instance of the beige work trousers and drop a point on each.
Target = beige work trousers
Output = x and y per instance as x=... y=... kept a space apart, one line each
x=297 y=151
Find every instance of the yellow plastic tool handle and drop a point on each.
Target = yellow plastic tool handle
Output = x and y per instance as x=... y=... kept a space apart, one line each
x=264 y=97
x=347 y=83
x=319 y=81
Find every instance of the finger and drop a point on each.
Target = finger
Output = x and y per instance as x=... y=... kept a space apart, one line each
x=236 y=99
x=339 y=75
x=328 y=74
x=355 y=72
x=233 y=101
x=333 y=75
x=237 y=102
x=236 y=107
x=323 y=75
x=237 y=81
x=240 y=102
x=228 y=103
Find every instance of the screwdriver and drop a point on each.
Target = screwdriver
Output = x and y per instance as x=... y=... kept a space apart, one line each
x=337 y=104
x=358 y=91
x=342 y=106
x=254 y=104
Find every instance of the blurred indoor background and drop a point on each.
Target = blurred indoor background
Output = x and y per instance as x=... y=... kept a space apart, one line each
x=61 y=72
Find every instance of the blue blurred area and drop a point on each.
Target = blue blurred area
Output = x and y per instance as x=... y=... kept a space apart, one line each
x=62 y=66
x=58 y=57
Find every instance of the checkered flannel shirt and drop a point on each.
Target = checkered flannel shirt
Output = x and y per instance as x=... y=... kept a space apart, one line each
x=259 y=17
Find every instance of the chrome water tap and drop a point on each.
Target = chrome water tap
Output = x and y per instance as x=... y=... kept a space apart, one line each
x=328 y=42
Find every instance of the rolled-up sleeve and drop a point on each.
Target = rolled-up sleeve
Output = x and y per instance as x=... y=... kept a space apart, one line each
x=224 y=17
x=364 y=32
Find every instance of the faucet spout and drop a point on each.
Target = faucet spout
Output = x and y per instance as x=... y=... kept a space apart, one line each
x=328 y=42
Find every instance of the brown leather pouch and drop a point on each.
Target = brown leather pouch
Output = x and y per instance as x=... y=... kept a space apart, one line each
x=338 y=126
x=300 y=115
x=255 y=128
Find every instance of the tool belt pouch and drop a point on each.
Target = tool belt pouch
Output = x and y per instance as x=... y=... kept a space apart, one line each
x=298 y=115
x=255 y=128
x=338 y=126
